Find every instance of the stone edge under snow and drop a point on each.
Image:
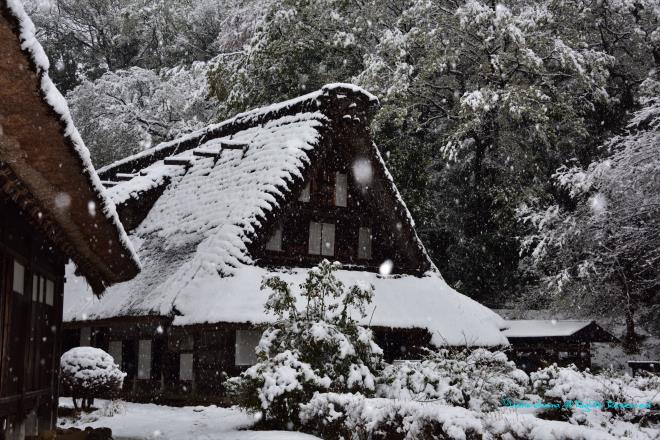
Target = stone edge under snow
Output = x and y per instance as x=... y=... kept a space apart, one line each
x=56 y=101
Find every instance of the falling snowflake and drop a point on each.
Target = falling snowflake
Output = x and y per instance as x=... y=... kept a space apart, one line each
x=363 y=172
x=91 y=207
x=386 y=267
x=62 y=200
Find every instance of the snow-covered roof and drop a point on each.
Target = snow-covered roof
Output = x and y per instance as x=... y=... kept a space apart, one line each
x=535 y=328
x=98 y=243
x=218 y=189
x=399 y=301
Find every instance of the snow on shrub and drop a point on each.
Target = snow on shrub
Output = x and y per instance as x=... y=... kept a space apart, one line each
x=527 y=427
x=570 y=384
x=353 y=416
x=88 y=372
x=319 y=347
x=478 y=379
x=411 y=380
x=356 y=417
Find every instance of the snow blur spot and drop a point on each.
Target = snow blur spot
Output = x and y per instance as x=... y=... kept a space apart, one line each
x=386 y=267
x=62 y=200
x=91 y=207
x=598 y=204
x=159 y=329
x=554 y=322
x=363 y=172
x=398 y=226
x=157 y=433
x=289 y=426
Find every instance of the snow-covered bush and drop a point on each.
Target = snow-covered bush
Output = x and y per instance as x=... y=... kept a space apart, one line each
x=353 y=416
x=478 y=379
x=318 y=347
x=563 y=385
x=88 y=372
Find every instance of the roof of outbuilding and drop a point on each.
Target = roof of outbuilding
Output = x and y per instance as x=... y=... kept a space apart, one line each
x=541 y=328
x=44 y=165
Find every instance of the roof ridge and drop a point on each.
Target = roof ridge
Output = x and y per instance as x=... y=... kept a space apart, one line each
x=318 y=100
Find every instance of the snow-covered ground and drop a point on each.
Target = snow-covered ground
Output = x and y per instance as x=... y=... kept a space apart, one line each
x=140 y=421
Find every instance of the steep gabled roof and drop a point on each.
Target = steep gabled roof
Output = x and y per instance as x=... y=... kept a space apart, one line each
x=198 y=203
x=45 y=167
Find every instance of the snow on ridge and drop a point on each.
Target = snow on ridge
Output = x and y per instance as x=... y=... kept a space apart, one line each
x=56 y=101
x=244 y=117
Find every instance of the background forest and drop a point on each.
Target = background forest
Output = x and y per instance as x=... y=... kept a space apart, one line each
x=523 y=135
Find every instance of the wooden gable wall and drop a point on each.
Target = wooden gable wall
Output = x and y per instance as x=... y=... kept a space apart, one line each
x=368 y=206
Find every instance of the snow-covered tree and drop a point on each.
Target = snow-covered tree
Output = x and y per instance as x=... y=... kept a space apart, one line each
x=86 y=38
x=125 y=111
x=316 y=347
x=497 y=97
x=299 y=46
x=88 y=372
x=598 y=254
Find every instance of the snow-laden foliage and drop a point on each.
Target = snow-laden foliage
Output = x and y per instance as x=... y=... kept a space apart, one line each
x=355 y=417
x=599 y=253
x=317 y=347
x=563 y=384
x=569 y=385
x=87 y=38
x=88 y=372
x=126 y=111
x=477 y=379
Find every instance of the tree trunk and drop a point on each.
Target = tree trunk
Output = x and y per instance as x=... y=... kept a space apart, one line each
x=630 y=339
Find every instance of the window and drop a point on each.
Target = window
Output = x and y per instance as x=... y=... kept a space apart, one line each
x=144 y=359
x=50 y=292
x=321 y=238
x=19 y=277
x=275 y=241
x=85 y=336
x=341 y=189
x=115 y=350
x=246 y=342
x=304 y=195
x=364 y=243
x=186 y=366
x=35 y=288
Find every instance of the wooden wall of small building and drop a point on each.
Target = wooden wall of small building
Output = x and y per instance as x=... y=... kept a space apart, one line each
x=530 y=354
